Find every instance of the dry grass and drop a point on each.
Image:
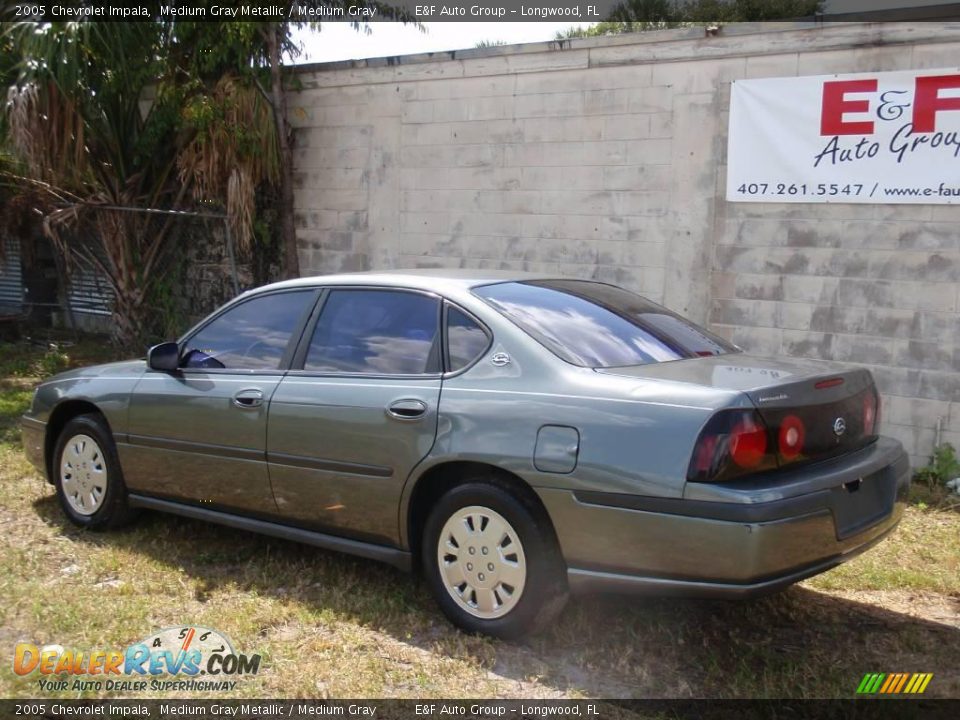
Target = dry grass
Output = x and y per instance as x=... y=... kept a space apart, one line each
x=333 y=626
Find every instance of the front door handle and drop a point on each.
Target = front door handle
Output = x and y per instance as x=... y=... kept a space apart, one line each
x=407 y=409
x=249 y=398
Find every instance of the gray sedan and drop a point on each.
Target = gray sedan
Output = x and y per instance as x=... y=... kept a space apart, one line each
x=514 y=437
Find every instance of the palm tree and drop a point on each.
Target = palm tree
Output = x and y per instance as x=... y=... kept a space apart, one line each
x=78 y=123
x=110 y=117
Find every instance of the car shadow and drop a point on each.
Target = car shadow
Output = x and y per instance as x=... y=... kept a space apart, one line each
x=799 y=643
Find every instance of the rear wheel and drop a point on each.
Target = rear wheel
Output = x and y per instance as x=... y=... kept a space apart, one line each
x=492 y=560
x=87 y=476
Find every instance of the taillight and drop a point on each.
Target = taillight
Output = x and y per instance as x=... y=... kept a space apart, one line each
x=704 y=453
x=748 y=442
x=871 y=410
x=733 y=443
x=792 y=434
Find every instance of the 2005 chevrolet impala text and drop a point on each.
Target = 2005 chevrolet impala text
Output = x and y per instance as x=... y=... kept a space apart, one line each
x=514 y=436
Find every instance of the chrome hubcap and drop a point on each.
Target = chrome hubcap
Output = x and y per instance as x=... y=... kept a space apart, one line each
x=481 y=561
x=83 y=474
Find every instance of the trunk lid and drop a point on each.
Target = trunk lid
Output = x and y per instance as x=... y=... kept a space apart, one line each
x=829 y=400
x=830 y=409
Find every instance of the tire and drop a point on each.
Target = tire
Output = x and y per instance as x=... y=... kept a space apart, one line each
x=526 y=589
x=87 y=475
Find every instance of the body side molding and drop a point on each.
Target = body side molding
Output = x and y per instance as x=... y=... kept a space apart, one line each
x=392 y=556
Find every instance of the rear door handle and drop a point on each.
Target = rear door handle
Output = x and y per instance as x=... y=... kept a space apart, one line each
x=407 y=409
x=249 y=398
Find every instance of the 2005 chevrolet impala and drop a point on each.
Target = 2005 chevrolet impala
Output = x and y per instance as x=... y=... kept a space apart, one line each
x=514 y=435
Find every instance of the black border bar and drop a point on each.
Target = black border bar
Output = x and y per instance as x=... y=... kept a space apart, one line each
x=917 y=707
x=366 y=11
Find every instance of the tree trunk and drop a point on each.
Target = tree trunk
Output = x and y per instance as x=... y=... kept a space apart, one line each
x=129 y=320
x=290 y=259
x=118 y=233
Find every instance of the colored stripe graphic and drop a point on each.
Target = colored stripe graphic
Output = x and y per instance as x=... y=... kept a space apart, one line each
x=870 y=683
x=891 y=680
x=894 y=683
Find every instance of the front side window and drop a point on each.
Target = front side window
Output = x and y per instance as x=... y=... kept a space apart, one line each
x=596 y=325
x=465 y=339
x=250 y=336
x=381 y=332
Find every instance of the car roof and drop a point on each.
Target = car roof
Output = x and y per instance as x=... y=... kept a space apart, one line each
x=421 y=279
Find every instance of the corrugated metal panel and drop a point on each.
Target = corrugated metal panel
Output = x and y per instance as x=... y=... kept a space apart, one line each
x=89 y=292
x=11 y=280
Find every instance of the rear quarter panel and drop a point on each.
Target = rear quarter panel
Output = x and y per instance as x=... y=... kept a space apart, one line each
x=635 y=434
x=634 y=437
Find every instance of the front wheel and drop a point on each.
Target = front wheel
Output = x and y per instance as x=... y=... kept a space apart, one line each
x=492 y=561
x=88 y=478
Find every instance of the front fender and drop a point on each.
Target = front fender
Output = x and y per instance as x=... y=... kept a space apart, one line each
x=104 y=388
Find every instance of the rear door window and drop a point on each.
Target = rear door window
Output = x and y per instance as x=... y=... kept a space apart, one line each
x=596 y=325
x=379 y=332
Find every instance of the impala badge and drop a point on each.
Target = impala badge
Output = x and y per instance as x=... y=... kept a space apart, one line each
x=500 y=359
x=839 y=426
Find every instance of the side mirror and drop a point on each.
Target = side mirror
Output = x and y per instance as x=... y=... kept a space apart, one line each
x=165 y=357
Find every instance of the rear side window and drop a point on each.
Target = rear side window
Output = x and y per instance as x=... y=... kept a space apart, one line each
x=250 y=336
x=596 y=325
x=382 y=332
x=465 y=339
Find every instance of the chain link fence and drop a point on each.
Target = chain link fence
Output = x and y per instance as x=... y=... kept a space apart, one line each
x=199 y=269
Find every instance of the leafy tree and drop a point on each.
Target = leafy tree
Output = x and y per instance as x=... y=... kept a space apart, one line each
x=254 y=52
x=232 y=73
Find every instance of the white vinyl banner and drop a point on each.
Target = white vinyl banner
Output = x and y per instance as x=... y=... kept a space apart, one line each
x=886 y=137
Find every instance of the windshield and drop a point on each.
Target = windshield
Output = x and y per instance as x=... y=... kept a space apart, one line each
x=596 y=325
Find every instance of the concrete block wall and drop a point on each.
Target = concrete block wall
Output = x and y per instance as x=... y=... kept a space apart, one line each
x=605 y=158
x=561 y=172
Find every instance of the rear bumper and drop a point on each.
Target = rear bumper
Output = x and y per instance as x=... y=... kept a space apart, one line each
x=737 y=547
x=590 y=581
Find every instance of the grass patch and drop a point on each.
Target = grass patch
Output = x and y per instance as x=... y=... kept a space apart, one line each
x=329 y=625
x=38 y=360
x=923 y=555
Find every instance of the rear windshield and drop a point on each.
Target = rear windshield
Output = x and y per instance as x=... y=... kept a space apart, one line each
x=596 y=325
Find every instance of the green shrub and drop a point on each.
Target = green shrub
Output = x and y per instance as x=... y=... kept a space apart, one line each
x=22 y=360
x=51 y=362
x=944 y=467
